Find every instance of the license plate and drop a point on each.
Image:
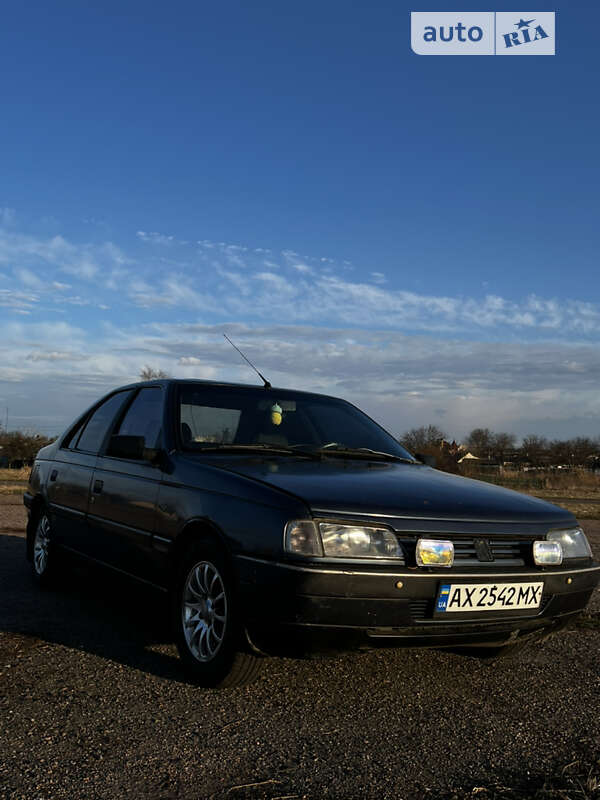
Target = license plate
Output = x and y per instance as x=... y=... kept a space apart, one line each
x=489 y=597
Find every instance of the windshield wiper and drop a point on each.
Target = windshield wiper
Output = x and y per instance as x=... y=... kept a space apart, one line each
x=316 y=454
x=365 y=452
x=256 y=448
x=340 y=450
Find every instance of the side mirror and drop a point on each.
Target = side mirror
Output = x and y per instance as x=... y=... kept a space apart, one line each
x=132 y=447
x=429 y=461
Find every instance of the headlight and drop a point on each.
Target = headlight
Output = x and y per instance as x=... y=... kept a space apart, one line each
x=354 y=541
x=573 y=543
x=304 y=538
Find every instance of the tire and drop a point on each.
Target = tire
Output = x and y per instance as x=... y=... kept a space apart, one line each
x=206 y=623
x=45 y=561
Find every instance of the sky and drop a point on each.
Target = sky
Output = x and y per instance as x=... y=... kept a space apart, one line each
x=419 y=235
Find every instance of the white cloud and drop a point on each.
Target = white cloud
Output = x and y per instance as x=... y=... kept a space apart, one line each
x=189 y=361
x=17 y=300
x=155 y=238
x=306 y=298
x=29 y=278
x=303 y=268
x=408 y=357
x=83 y=261
x=54 y=355
x=400 y=379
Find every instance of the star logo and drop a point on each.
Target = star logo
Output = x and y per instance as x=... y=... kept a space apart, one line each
x=524 y=23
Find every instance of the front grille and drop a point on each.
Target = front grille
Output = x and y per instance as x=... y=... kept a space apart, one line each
x=507 y=552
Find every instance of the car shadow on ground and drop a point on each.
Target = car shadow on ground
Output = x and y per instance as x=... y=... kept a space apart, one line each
x=93 y=610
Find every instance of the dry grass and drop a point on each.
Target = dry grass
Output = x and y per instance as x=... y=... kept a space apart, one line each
x=13 y=481
x=579 y=483
x=9 y=475
x=562 y=488
x=579 y=510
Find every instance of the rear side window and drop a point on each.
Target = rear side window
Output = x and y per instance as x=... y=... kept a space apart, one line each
x=70 y=439
x=144 y=417
x=98 y=424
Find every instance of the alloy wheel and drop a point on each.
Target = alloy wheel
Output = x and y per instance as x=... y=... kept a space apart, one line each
x=204 y=611
x=41 y=545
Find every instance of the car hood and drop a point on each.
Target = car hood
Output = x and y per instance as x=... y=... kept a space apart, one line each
x=395 y=490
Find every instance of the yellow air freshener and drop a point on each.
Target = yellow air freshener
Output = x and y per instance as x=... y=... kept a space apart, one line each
x=276 y=414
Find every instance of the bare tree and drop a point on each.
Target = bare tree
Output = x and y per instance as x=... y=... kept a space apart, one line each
x=534 y=448
x=559 y=451
x=418 y=440
x=481 y=441
x=151 y=374
x=582 y=447
x=501 y=443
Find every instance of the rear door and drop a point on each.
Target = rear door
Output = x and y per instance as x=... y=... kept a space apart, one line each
x=69 y=481
x=124 y=491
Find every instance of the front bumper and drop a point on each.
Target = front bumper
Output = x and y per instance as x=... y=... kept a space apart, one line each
x=397 y=607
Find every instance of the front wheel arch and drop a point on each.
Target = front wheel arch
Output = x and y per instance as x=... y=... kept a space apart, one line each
x=196 y=530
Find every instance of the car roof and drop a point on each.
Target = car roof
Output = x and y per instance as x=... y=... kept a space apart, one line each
x=225 y=384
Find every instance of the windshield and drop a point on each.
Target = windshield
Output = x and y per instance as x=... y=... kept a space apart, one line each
x=214 y=415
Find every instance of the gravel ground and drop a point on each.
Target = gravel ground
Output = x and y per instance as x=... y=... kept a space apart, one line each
x=93 y=705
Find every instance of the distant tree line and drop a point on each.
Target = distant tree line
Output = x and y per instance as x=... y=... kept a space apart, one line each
x=500 y=447
x=18 y=449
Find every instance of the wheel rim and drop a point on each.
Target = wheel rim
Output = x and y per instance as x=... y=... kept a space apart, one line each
x=204 y=611
x=41 y=544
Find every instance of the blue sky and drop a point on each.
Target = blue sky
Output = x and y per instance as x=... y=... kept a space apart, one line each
x=417 y=234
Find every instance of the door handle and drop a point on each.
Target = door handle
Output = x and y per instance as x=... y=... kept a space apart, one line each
x=54 y=475
x=98 y=487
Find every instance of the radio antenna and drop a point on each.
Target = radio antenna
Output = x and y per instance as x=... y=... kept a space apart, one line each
x=262 y=377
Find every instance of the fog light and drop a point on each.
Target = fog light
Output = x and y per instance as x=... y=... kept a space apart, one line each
x=545 y=553
x=434 y=553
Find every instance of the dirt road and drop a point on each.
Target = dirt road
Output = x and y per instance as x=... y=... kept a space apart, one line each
x=93 y=705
